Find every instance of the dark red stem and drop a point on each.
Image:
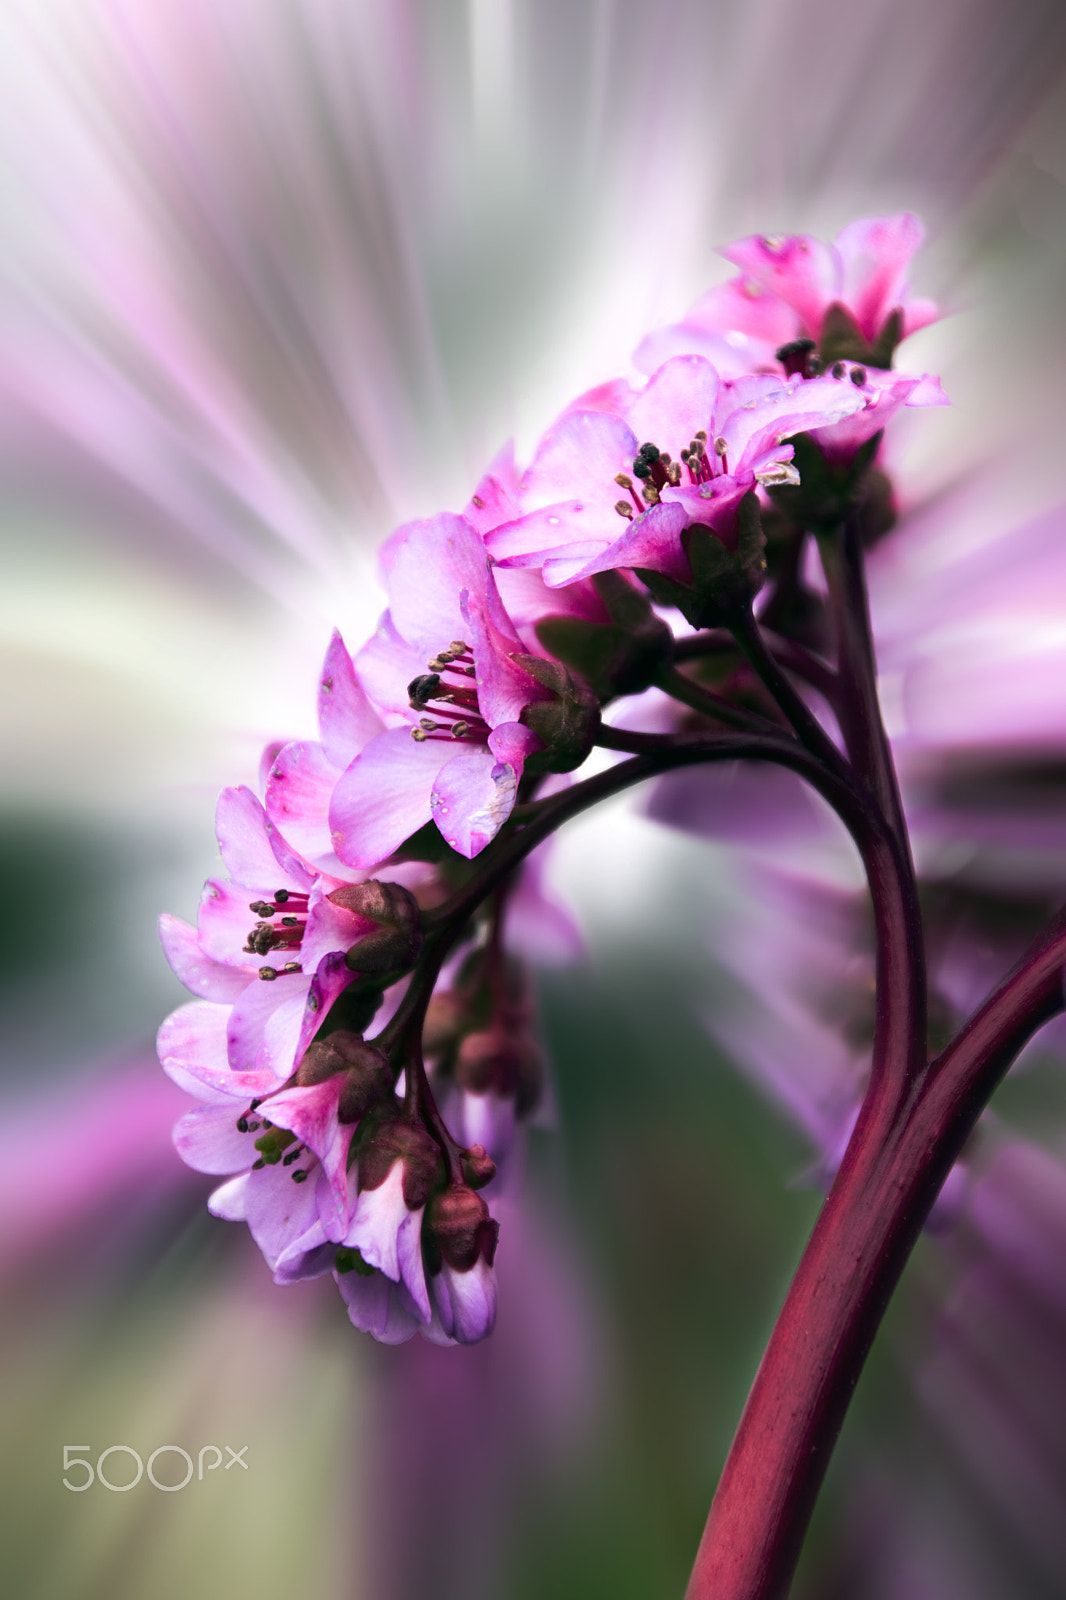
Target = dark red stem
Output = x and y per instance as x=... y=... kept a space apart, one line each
x=882 y=1196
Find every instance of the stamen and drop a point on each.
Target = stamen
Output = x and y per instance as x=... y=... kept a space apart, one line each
x=624 y=509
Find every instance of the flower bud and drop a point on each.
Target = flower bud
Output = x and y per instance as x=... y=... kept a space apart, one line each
x=458 y=1230
x=566 y=723
x=383 y=1138
x=395 y=942
x=495 y=1061
x=478 y=1167
x=621 y=656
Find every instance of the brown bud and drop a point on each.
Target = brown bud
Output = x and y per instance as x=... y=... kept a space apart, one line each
x=395 y=942
x=478 y=1167
x=385 y=1138
x=502 y=1063
x=459 y=1229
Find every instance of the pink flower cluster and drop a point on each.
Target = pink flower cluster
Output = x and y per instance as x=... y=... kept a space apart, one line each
x=463 y=705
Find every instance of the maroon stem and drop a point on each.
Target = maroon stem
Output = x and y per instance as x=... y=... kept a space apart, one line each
x=875 y=1211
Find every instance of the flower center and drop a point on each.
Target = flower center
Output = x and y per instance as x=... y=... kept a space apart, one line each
x=285 y=934
x=446 y=690
x=275 y=1144
x=655 y=469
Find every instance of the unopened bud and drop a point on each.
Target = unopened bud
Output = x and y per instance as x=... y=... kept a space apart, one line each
x=566 y=721
x=383 y=1138
x=478 y=1167
x=459 y=1230
x=503 y=1063
x=394 y=942
x=368 y=1077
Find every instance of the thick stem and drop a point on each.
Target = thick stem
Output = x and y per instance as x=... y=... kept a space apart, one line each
x=857 y=705
x=882 y=1195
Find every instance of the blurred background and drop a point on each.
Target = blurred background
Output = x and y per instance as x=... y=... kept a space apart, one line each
x=280 y=274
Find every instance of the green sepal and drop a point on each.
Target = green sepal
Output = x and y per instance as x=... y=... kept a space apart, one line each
x=724 y=582
x=843 y=340
x=567 y=724
x=622 y=656
x=827 y=491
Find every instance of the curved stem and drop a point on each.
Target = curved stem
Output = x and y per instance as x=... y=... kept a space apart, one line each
x=874 y=1213
x=692 y=694
x=806 y=724
x=788 y=653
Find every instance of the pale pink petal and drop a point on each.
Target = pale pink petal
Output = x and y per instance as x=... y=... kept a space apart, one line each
x=192 y=1046
x=375 y=1306
x=225 y=920
x=473 y=795
x=228 y=1200
x=210 y=979
x=376 y=1223
x=804 y=272
x=208 y=1140
x=250 y=1016
x=346 y=719
x=383 y=798
x=281 y=1214
x=551 y=527
x=248 y=845
x=875 y=253
x=299 y=787
x=311 y=1114
x=676 y=401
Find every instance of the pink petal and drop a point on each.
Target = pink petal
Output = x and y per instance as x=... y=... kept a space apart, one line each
x=208 y=1140
x=577 y=460
x=375 y=1225
x=549 y=528
x=875 y=253
x=652 y=540
x=804 y=272
x=473 y=796
x=436 y=561
x=312 y=1115
x=346 y=719
x=192 y=1046
x=495 y=499
x=299 y=788
x=676 y=401
x=383 y=798
x=225 y=920
x=249 y=846
x=375 y=1306
x=210 y=979
x=228 y=1200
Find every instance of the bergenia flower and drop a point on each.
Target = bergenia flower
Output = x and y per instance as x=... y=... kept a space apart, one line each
x=441 y=670
x=696 y=443
x=789 y=284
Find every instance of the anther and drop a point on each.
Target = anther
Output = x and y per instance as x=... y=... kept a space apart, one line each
x=651 y=494
x=419 y=735
x=280 y=896
x=242 y=1124
x=701 y=436
x=721 y=446
x=292 y=966
x=267 y=974
x=290 y=922
x=838 y=369
x=858 y=376
x=459 y=728
x=262 y=908
x=299 y=1176
x=624 y=509
x=673 y=473
x=257 y=1166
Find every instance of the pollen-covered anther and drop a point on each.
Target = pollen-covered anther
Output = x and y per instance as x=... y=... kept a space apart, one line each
x=778 y=475
x=858 y=376
x=624 y=509
x=838 y=370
